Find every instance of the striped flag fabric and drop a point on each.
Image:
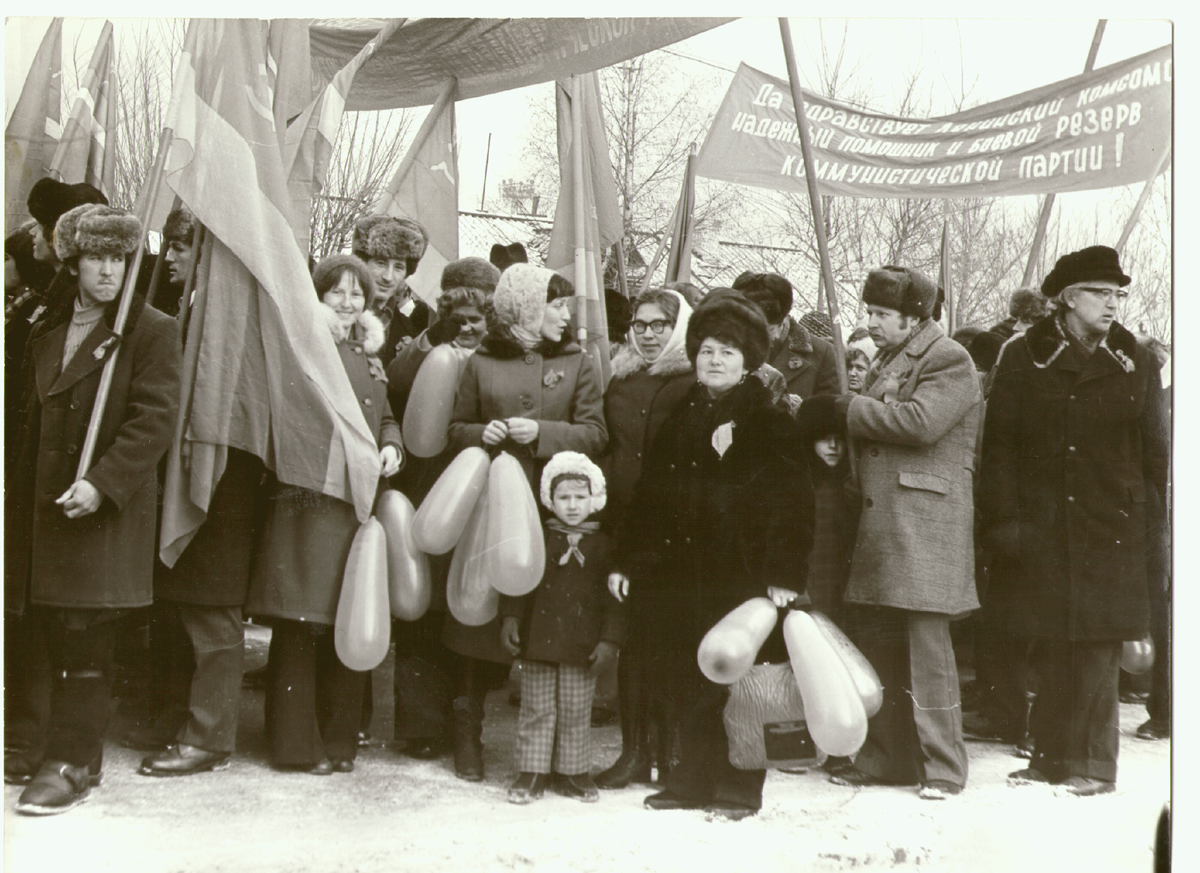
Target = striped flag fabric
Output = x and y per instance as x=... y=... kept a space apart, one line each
x=308 y=142
x=425 y=189
x=32 y=132
x=261 y=371
x=602 y=223
x=87 y=149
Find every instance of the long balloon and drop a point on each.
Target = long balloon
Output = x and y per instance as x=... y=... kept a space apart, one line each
x=471 y=598
x=1137 y=656
x=444 y=512
x=409 y=585
x=836 y=717
x=514 y=544
x=862 y=674
x=427 y=415
x=362 y=627
x=729 y=648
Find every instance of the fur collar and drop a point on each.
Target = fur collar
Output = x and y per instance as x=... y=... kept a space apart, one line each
x=499 y=342
x=367 y=329
x=799 y=340
x=1047 y=338
x=626 y=362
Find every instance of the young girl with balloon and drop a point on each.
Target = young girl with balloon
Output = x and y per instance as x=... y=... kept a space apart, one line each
x=565 y=632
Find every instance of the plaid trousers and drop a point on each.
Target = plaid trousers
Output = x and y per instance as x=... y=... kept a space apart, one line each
x=556 y=718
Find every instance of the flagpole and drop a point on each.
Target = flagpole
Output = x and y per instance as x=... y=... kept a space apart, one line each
x=619 y=257
x=1142 y=200
x=1039 y=235
x=578 y=208
x=944 y=269
x=127 y=294
x=185 y=301
x=814 y=197
x=668 y=232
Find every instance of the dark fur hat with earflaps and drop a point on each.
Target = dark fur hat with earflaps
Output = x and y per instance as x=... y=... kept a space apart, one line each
x=93 y=229
x=381 y=236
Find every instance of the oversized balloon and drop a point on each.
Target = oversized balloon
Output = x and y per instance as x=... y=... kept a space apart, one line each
x=443 y=513
x=471 y=598
x=427 y=415
x=409 y=587
x=362 y=627
x=862 y=674
x=1137 y=656
x=836 y=717
x=729 y=648
x=515 y=544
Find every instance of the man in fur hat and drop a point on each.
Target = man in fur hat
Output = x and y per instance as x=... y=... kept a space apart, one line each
x=391 y=249
x=914 y=428
x=83 y=548
x=806 y=361
x=178 y=235
x=1074 y=470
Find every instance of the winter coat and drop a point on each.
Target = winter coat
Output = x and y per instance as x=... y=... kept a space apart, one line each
x=639 y=398
x=306 y=536
x=835 y=514
x=914 y=435
x=571 y=610
x=706 y=532
x=1074 y=450
x=806 y=362
x=106 y=559
x=400 y=327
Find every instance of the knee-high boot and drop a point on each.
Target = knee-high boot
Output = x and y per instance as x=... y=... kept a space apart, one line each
x=466 y=714
x=633 y=765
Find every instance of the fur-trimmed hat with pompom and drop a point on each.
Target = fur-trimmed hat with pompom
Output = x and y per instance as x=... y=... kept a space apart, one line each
x=573 y=465
x=904 y=289
x=93 y=229
x=381 y=236
x=470 y=273
x=727 y=316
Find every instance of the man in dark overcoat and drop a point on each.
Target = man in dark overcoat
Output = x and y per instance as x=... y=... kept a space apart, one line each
x=82 y=548
x=1074 y=451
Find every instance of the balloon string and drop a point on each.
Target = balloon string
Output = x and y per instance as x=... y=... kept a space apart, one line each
x=932 y=708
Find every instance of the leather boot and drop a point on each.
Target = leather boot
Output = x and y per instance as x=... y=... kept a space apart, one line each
x=633 y=765
x=466 y=715
x=667 y=753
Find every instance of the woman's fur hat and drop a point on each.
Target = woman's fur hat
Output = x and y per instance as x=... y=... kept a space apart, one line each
x=729 y=317
x=326 y=274
x=576 y=465
x=470 y=273
x=904 y=289
x=94 y=229
x=49 y=199
x=381 y=236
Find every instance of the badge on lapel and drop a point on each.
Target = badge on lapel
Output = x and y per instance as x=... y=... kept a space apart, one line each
x=795 y=362
x=99 y=352
x=553 y=377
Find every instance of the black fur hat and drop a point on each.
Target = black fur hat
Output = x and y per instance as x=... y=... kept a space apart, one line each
x=504 y=256
x=470 y=273
x=731 y=319
x=904 y=289
x=771 y=292
x=1093 y=264
x=180 y=226
x=49 y=199
x=818 y=420
x=1028 y=305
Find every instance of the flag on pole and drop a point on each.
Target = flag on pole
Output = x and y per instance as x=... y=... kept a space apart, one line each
x=261 y=371
x=602 y=224
x=83 y=153
x=289 y=70
x=679 y=262
x=308 y=142
x=33 y=130
x=425 y=189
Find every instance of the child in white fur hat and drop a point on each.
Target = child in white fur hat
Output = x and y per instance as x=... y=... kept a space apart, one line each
x=565 y=632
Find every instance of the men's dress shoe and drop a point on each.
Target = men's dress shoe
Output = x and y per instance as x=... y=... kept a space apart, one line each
x=854 y=777
x=322 y=768
x=1082 y=786
x=834 y=763
x=527 y=787
x=1154 y=729
x=729 y=810
x=147 y=739
x=57 y=787
x=342 y=765
x=939 y=789
x=579 y=787
x=18 y=769
x=1028 y=776
x=630 y=766
x=183 y=760
x=425 y=748
x=668 y=800
x=468 y=761
x=602 y=716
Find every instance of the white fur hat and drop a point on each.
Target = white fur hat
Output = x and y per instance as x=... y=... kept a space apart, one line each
x=579 y=465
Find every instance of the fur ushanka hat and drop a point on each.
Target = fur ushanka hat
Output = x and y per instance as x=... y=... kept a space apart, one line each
x=180 y=226
x=1093 y=264
x=573 y=465
x=732 y=319
x=381 y=236
x=49 y=199
x=771 y=292
x=904 y=289
x=94 y=229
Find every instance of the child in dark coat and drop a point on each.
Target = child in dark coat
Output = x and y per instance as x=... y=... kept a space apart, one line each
x=566 y=631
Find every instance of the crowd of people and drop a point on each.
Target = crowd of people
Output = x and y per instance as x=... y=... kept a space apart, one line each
x=1016 y=476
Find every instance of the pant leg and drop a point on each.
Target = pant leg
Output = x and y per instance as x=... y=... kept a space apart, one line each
x=27 y=686
x=172 y=669
x=572 y=733
x=1094 y=733
x=1050 y=716
x=1158 y=704
x=218 y=639
x=421 y=680
x=704 y=774
x=81 y=647
x=538 y=717
x=339 y=700
x=293 y=735
x=936 y=706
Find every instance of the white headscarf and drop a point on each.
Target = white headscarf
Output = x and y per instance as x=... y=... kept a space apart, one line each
x=678 y=333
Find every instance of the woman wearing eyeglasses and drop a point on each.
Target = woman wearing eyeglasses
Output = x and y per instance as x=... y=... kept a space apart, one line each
x=650 y=376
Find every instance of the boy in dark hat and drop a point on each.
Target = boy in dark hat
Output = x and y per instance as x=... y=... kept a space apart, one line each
x=392 y=248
